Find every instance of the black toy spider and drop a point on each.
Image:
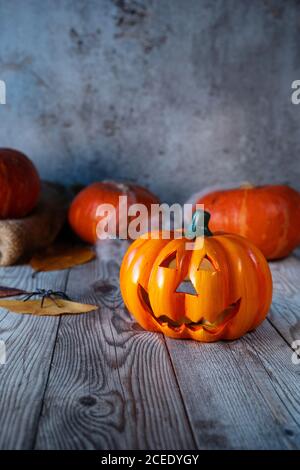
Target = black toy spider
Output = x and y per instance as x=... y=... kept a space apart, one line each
x=47 y=294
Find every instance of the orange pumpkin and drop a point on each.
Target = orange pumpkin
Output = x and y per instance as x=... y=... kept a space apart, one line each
x=19 y=184
x=267 y=215
x=219 y=290
x=83 y=216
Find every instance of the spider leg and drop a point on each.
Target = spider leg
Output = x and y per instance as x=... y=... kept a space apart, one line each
x=40 y=291
x=42 y=301
x=51 y=296
x=29 y=296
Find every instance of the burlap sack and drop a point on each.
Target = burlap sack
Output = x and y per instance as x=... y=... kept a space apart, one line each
x=21 y=237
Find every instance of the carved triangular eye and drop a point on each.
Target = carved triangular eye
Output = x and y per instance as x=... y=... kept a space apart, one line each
x=186 y=287
x=206 y=265
x=169 y=261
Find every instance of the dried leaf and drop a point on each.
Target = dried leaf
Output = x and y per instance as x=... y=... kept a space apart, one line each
x=11 y=291
x=33 y=307
x=59 y=257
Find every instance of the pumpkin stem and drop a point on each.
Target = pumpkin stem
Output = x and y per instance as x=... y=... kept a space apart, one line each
x=199 y=225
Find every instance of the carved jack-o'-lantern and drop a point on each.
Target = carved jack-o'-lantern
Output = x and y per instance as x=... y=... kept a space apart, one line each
x=220 y=289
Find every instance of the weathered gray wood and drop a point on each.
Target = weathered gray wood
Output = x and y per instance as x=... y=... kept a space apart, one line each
x=242 y=394
x=246 y=393
x=285 y=311
x=29 y=343
x=285 y=274
x=112 y=385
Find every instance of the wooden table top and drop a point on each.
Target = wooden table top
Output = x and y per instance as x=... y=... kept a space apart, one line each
x=98 y=381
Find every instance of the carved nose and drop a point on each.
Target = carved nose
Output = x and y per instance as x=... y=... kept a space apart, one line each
x=186 y=287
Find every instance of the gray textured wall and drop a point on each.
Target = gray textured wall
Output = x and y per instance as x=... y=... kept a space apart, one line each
x=174 y=94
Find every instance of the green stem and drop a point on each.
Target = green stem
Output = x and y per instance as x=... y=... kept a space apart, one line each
x=199 y=225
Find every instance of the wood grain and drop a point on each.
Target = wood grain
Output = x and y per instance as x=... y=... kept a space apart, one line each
x=29 y=343
x=285 y=310
x=246 y=392
x=285 y=274
x=98 y=381
x=242 y=394
x=112 y=385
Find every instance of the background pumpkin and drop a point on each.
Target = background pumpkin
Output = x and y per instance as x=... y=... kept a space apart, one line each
x=231 y=281
x=267 y=215
x=82 y=212
x=19 y=184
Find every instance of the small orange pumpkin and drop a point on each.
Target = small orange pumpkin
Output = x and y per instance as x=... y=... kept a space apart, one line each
x=19 y=184
x=83 y=210
x=221 y=289
x=267 y=215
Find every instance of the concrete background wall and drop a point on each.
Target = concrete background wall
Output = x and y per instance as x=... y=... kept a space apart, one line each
x=173 y=94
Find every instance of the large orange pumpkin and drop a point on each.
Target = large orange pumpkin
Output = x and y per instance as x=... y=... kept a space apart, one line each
x=83 y=210
x=267 y=215
x=219 y=290
x=19 y=184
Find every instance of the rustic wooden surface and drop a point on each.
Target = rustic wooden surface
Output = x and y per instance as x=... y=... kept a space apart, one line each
x=98 y=381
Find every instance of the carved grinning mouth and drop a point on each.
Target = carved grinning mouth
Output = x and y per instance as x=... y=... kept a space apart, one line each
x=222 y=319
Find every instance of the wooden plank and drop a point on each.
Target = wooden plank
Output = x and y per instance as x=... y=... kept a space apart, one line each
x=112 y=385
x=242 y=394
x=285 y=275
x=250 y=387
x=29 y=343
x=285 y=311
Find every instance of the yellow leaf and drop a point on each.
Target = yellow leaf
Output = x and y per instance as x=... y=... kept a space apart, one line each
x=33 y=307
x=61 y=257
